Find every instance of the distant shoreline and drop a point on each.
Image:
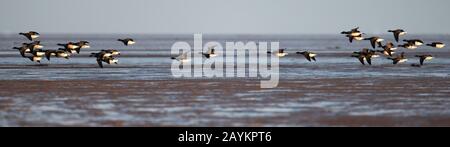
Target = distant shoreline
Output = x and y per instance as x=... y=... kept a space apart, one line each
x=216 y=34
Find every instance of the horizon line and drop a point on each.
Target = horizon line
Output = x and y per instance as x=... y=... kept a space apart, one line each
x=249 y=34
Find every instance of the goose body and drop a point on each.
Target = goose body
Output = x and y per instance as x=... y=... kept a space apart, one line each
x=397 y=33
x=127 y=41
x=31 y=35
x=308 y=55
x=437 y=45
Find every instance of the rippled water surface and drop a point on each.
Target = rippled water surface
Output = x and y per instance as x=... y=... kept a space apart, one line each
x=334 y=91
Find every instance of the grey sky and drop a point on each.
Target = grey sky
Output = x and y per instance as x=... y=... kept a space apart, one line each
x=223 y=16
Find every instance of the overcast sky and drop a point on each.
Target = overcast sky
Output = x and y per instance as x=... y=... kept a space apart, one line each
x=223 y=16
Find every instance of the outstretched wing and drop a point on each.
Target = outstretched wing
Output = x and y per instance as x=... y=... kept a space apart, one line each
x=22 y=52
x=207 y=56
x=422 y=59
x=78 y=49
x=308 y=58
x=27 y=35
x=100 y=63
x=396 y=35
x=369 y=60
x=361 y=59
x=124 y=42
x=373 y=42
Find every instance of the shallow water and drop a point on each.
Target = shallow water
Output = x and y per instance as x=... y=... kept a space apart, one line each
x=140 y=91
x=322 y=102
x=149 y=59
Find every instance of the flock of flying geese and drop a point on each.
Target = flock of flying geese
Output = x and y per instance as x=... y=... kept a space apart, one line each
x=365 y=55
x=109 y=56
x=34 y=50
x=389 y=48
